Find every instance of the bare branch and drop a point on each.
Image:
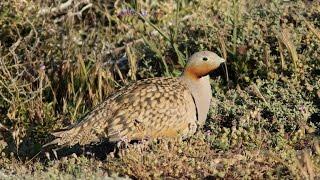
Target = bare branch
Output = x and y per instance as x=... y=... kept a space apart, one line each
x=54 y=10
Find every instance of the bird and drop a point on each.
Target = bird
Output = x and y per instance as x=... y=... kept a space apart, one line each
x=160 y=107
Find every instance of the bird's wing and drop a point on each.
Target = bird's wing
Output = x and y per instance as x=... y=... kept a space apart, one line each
x=160 y=107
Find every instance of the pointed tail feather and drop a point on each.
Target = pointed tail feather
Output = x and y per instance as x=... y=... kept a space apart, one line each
x=83 y=133
x=64 y=137
x=55 y=141
x=88 y=130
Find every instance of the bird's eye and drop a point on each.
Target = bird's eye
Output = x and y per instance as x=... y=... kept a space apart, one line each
x=205 y=58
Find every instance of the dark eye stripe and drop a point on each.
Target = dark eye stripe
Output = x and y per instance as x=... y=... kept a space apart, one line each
x=205 y=58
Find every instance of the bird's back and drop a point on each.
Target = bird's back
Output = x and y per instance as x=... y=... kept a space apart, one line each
x=150 y=108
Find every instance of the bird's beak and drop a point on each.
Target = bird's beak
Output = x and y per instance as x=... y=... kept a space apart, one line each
x=221 y=60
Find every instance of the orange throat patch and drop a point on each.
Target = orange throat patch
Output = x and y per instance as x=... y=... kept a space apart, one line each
x=197 y=72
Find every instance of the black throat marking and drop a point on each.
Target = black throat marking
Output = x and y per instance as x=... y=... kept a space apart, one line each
x=194 y=102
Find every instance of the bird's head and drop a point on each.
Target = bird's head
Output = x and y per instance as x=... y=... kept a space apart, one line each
x=201 y=64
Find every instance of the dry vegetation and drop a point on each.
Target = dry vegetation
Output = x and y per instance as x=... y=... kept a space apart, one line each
x=58 y=59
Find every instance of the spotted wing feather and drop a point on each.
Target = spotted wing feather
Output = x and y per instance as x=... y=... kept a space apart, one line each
x=161 y=107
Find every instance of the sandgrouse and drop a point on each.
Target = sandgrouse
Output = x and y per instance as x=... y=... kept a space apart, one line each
x=150 y=108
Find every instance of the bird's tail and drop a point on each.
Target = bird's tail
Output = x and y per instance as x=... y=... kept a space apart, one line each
x=69 y=137
x=88 y=130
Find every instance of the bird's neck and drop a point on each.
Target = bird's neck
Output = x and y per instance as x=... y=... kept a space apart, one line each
x=201 y=91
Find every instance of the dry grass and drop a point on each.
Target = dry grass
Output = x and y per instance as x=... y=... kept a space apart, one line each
x=59 y=60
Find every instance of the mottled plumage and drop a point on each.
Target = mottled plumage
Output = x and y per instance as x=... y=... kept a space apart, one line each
x=150 y=108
